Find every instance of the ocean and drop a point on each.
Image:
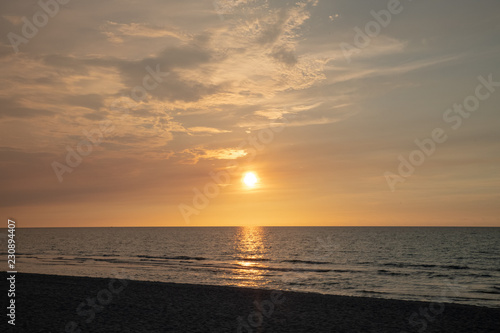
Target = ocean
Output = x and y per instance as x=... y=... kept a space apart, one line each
x=460 y=265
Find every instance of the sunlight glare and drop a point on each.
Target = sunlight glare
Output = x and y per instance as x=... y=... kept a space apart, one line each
x=250 y=179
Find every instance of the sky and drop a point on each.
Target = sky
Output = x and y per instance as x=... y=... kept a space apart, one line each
x=349 y=113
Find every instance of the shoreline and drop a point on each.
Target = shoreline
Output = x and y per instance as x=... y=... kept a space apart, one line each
x=48 y=303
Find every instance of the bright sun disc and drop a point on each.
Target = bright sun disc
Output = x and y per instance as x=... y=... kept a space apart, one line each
x=250 y=179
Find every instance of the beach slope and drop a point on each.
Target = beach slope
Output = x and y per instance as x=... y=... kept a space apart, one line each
x=48 y=303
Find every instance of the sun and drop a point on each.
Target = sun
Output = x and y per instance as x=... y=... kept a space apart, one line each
x=250 y=179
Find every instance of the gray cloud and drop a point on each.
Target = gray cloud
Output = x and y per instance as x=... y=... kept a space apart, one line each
x=284 y=55
x=11 y=108
x=90 y=101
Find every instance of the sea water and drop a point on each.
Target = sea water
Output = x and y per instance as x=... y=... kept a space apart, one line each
x=460 y=265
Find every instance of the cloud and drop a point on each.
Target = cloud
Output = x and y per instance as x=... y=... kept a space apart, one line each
x=265 y=63
x=284 y=55
x=13 y=19
x=271 y=113
x=206 y=130
x=13 y=109
x=194 y=155
x=117 y=32
x=203 y=74
x=90 y=101
x=342 y=74
x=273 y=28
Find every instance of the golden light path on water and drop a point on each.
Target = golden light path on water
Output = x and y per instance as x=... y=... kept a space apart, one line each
x=250 y=247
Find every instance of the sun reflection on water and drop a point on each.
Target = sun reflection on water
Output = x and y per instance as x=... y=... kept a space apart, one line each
x=250 y=249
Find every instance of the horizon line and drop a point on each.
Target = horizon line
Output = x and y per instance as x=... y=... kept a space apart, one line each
x=270 y=226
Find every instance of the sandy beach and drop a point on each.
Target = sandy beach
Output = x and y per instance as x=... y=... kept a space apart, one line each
x=48 y=303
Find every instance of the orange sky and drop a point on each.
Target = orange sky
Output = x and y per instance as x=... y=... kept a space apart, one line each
x=121 y=115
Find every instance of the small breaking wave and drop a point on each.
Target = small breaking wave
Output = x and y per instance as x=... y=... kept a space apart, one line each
x=296 y=261
x=171 y=258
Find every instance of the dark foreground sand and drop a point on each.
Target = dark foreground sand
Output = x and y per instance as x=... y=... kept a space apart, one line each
x=47 y=303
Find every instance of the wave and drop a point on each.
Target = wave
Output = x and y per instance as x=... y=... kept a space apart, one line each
x=402 y=265
x=296 y=261
x=493 y=291
x=171 y=258
x=284 y=269
x=432 y=275
x=385 y=272
x=344 y=271
x=455 y=267
x=373 y=292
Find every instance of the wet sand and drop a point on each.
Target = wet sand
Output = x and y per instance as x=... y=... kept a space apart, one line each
x=48 y=303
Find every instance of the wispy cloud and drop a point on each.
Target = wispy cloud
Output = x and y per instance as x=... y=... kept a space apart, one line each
x=117 y=32
x=233 y=69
